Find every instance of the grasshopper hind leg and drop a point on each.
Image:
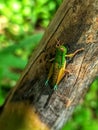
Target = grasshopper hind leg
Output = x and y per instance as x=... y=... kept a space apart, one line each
x=47 y=83
x=49 y=75
x=55 y=87
x=61 y=74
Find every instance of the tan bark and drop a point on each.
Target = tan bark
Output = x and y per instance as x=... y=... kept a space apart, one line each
x=75 y=25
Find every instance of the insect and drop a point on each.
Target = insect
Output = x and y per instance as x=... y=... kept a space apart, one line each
x=58 y=67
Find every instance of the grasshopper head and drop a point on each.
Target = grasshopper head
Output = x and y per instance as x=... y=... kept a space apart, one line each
x=62 y=48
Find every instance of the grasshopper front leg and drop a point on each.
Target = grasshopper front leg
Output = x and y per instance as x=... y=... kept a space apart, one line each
x=73 y=54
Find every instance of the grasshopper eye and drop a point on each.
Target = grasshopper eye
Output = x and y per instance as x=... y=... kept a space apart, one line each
x=57 y=45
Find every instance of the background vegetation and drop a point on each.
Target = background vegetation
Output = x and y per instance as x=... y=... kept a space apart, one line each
x=22 y=24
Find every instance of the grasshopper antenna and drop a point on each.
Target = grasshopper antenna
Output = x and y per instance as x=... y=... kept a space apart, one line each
x=58 y=42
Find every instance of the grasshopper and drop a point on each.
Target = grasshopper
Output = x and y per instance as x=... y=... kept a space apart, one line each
x=58 y=67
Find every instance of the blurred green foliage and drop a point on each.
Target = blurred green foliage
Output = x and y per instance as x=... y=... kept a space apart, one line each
x=19 y=18
x=21 y=27
x=13 y=59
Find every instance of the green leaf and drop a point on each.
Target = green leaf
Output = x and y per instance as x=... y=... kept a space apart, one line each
x=28 y=42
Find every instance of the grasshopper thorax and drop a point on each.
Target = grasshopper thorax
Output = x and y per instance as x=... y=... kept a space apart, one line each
x=60 y=55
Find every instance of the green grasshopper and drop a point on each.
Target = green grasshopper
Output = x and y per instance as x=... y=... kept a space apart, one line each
x=58 y=67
